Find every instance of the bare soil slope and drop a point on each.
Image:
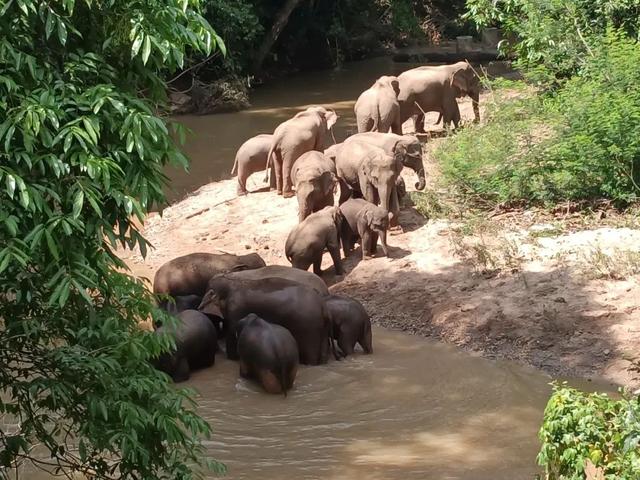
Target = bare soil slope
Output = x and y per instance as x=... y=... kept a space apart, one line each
x=541 y=306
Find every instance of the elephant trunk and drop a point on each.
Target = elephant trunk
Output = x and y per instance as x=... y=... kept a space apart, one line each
x=475 y=99
x=382 y=233
x=422 y=181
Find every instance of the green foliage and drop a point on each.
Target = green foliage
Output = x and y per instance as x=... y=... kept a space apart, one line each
x=81 y=154
x=579 y=426
x=579 y=143
x=555 y=35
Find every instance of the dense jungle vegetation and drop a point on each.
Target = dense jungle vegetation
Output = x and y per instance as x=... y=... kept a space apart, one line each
x=82 y=147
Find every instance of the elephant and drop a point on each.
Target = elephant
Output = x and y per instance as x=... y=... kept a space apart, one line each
x=435 y=89
x=296 y=307
x=389 y=142
x=350 y=323
x=369 y=171
x=251 y=158
x=304 y=132
x=308 y=279
x=366 y=221
x=332 y=151
x=377 y=108
x=314 y=178
x=401 y=188
x=189 y=274
x=307 y=241
x=179 y=304
x=196 y=346
x=268 y=353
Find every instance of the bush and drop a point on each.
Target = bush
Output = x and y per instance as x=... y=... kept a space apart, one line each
x=578 y=427
x=82 y=152
x=581 y=142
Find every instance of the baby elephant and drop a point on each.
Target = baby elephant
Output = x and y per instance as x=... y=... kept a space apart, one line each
x=307 y=241
x=366 y=221
x=268 y=354
x=196 y=345
x=251 y=158
x=314 y=178
x=350 y=323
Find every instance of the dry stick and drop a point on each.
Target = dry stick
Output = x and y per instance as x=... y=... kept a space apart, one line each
x=200 y=212
x=192 y=67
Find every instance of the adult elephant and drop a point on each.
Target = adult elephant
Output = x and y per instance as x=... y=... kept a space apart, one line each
x=314 y=178
x=250 y=158
x=435 y=89
x=368 y=171
x=389 y=142
x=304 y=132
x=302 y=277
x=377 y=108
x=296 y=307
x=189 y=274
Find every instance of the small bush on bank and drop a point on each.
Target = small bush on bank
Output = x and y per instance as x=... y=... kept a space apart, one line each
x=581 y=142
x=580 y=427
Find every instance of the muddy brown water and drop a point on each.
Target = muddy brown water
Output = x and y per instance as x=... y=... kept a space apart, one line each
x=415 y=409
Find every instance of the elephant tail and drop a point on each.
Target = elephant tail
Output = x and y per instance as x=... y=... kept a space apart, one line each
x=272 y=151
x=375 y=116
x=235 y=166
x=439 y=119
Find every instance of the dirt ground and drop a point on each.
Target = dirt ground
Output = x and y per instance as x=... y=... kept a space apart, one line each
x=522 y=289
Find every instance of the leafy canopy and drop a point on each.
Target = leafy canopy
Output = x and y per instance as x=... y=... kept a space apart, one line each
x=81 y=153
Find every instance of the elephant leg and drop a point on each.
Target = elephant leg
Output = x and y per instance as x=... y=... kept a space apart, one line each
x=278 y=169
x=345 y=192
x=232 y=346
x=241 y=189
x=418 y=122
x=373 y=248
x=272 y=178
x=345 y=345
x=345 y=239
x=365 y=243
x=317 y=265
x=287 y=187
x=334 y=251
x=182 y=372
x=302 y=264
x=244 y=369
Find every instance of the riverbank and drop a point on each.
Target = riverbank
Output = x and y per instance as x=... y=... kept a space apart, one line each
x=540 y=303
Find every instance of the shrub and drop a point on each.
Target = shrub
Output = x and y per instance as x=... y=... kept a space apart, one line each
x=581 y=142
x=81 y=154
x=578 y=427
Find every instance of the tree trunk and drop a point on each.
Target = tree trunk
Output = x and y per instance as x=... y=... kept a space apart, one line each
x=280 y=22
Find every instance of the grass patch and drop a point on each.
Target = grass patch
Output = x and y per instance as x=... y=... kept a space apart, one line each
x=620 y=265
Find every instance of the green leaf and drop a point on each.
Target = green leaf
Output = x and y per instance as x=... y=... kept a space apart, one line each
x=146 y=49
x=50 y=24
x=90 y=130
x=51 y=243
x=220 y=44
x=62 y=32
x=137 y=43
x=78 y=202
x=10 y=182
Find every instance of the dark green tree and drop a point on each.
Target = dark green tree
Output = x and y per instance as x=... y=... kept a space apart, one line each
x=82 y=150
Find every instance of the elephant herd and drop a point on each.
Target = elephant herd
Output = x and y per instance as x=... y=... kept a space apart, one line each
x=271 y=317
x=274 y=317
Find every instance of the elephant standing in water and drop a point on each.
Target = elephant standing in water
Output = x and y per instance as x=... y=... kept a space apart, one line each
x=314 y=177
x=268 y=353
x=350 y=324
x=304 y=132
x=189 y=274
x=196 y=346
x=251 y=158
x=296 y=307
x=377 y=109
x=435 y=89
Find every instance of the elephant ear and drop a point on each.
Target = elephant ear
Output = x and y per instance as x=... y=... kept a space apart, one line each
x=460 y=80
x=331 y=118
x=210 y=304
x=395 y=84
